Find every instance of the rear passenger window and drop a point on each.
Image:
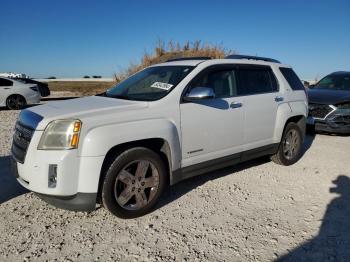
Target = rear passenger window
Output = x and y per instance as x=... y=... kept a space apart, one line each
x=5 y=82
x=256 y=81
x=292 y=78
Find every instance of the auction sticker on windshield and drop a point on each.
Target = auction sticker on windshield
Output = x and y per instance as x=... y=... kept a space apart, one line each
x=160 y=85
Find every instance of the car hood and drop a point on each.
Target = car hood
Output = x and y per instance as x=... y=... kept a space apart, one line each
x=327 y=96
x=83 y=108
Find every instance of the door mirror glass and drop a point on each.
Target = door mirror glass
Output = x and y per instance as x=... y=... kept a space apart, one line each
x=199 y=93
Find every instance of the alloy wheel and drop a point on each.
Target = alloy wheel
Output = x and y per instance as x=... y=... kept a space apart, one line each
x=136 y=185
x=291 y=144
x=15 y=102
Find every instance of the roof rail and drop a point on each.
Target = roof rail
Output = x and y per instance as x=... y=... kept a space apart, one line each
x=249 y=57
x=189 y=58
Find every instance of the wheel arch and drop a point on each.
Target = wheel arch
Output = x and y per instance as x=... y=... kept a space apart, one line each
x=300 y=120
x=158 y=145
x=15 y=94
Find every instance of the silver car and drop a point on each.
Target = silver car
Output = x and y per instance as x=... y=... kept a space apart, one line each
x=15 y=94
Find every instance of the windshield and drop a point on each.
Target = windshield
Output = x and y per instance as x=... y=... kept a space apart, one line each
x=335 y=82
x=150 y=84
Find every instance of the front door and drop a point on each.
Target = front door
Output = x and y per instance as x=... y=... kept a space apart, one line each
x=212 y=128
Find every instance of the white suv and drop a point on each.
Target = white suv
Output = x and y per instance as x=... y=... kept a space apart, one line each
x=15 y=94
x=166 y=123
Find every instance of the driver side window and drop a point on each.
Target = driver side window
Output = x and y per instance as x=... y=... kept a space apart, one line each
x=223 y=82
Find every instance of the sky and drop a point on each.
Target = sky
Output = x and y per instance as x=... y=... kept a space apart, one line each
x=66 y=38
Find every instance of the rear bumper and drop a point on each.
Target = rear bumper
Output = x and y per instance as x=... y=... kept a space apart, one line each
x=34 y=99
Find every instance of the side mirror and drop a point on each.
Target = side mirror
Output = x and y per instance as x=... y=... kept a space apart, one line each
x=311 y=86
x=199 y=93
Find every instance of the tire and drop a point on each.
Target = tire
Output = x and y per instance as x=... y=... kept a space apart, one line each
x=134 y=183
x=290 y=148
x=15 y=102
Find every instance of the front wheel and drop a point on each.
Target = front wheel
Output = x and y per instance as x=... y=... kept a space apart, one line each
x=134 y=183
x=290 y=148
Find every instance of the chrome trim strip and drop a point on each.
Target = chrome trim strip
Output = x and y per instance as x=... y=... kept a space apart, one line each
x=333 y=109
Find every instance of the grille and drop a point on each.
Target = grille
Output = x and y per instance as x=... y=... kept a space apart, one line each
x=319 y=111
x=21 y=141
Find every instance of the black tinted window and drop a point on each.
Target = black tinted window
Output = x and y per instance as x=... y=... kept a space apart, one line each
x=292 y=78
x=256 y=81
x=222 y=81
x=5 y=82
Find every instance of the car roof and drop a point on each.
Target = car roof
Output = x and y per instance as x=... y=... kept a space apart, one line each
x=340 y=73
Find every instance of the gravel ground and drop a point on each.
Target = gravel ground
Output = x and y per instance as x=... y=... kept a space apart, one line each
x=257 y=211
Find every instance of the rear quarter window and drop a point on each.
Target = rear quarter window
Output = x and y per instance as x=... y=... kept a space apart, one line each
x=292 y=78
x=256 y=80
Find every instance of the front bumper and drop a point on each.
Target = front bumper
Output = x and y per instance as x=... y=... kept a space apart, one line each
x=76 y=202
x=331 y=127
x=330 y=118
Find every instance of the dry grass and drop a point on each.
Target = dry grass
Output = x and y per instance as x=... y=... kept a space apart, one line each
x=162 y=52
x=80 y=88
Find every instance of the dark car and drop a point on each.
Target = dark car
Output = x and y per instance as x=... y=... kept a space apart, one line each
x=329 y=103
x=43 y=87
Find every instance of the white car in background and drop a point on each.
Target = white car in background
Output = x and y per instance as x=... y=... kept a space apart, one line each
x=15 y=94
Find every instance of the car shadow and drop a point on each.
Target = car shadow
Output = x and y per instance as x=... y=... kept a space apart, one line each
x=309 y=139
x=9 y=187
x=333 y=240
x=175 y=192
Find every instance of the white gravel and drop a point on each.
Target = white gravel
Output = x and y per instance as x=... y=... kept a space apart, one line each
x=257 y=211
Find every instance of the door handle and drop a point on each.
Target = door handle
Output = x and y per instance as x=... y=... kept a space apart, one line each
x=279 y=98
x=235 y=105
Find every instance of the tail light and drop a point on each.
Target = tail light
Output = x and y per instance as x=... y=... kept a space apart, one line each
x=34 y=88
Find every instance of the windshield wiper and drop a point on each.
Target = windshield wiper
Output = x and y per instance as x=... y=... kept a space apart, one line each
x=119 y=96
x=101 y=94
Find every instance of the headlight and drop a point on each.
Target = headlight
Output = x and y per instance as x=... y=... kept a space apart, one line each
x=60 y=135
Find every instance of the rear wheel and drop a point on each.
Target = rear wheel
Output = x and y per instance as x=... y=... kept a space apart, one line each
x=15 y=102
x=290 y=148
x=134 y=183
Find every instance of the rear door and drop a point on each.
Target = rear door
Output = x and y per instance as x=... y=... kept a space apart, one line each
x=258 y=86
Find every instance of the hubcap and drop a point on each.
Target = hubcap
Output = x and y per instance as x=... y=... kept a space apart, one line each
x=136 y=184
x=291 y=144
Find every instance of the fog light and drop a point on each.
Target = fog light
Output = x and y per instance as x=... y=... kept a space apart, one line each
x=52 y=181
